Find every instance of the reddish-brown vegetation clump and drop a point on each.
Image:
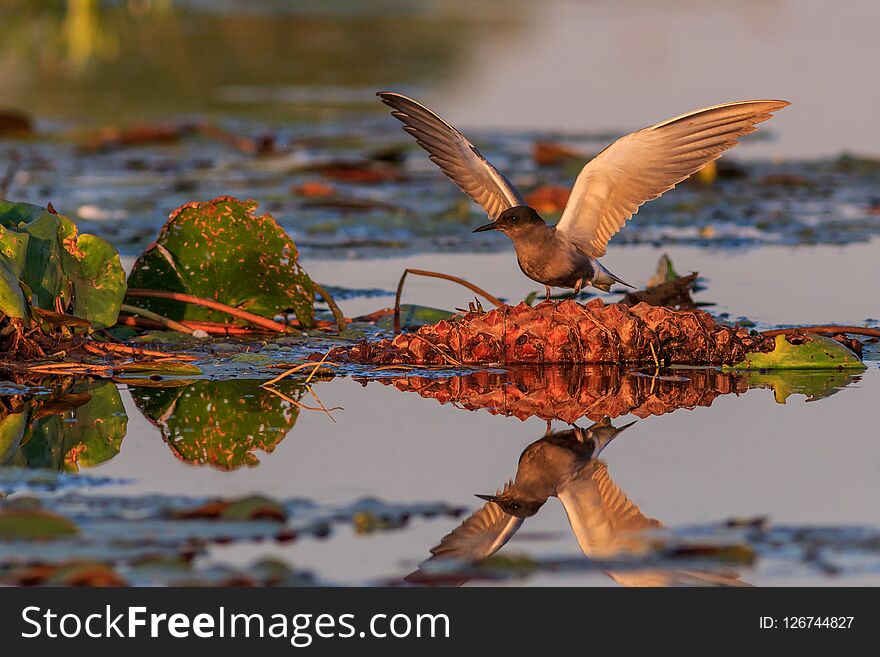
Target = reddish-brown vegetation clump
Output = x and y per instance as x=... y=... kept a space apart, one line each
x=567 y=332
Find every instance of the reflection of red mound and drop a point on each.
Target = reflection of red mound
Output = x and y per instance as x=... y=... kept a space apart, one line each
x=567 y=332
x=569 y=394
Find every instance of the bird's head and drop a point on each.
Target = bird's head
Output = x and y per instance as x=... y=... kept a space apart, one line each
x=515 y=505
x=517 y=220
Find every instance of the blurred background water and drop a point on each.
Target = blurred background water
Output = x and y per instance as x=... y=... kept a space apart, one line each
x=569 y=65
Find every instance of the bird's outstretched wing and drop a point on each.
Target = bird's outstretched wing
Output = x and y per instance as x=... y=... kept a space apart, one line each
x=644 y=164
x=480 y=536
x=457 y=157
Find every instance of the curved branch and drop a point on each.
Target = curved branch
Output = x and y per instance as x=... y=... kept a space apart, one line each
x=447 y=277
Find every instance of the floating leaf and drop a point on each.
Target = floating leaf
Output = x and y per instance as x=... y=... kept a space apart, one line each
x=162 y=366
x=220 y=250
x=254 y=508
x=34 y=524
x=814 y=352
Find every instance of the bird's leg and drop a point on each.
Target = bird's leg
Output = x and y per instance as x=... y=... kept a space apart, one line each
x=577 y=287
x=547 y=288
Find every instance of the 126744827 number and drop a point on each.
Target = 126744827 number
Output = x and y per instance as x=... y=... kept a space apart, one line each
x=818 y=622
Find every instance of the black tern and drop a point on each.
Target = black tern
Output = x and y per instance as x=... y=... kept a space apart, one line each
x=605 y=522
x=608 y=191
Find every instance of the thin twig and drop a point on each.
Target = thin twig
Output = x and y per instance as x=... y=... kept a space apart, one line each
x=291 y=400
x=293 y=370
x=433 y=274
x=156 y=317
x=214 y=305
x=321 y=362
x=826 y=328
x=321 y=404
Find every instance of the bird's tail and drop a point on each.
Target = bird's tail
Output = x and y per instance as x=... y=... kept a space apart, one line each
x=605 y=278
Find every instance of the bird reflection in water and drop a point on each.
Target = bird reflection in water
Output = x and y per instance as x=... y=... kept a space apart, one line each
x=605 y=522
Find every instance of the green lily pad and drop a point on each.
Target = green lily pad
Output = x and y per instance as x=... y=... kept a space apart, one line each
x=59 y=268
x=174 y=368
x=818 y=352
x=12 y=301
x=255 y=507
x=220 y=250
x=250 y=358
x=34 y=524
x=219 y=423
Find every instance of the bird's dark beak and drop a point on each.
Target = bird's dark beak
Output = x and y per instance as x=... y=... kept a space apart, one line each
x=490 y=226
x=488 y=498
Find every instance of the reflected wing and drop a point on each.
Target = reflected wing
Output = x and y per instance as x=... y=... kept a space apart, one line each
x=664 y=578
x=480 y=536
x=607 y=523
x=457 y=157
x=604 y=520
x=644 y=164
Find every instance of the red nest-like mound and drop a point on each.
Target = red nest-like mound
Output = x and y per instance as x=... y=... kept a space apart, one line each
x=565 y=332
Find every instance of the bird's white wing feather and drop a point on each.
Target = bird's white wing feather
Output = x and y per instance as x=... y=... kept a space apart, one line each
x=457 y=157
x=644 y=164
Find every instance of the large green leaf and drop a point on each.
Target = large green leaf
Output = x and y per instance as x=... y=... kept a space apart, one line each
x=817 y=352
x=219 y=423
x=220 y=250
x=98 y=280
x=12 y=301
x=78 y=274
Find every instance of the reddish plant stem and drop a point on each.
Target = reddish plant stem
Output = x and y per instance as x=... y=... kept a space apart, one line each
x=826 y=328
x=213 y=305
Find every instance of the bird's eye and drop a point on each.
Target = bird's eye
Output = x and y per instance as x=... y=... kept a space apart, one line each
x=513 y=217
x=514 y=506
